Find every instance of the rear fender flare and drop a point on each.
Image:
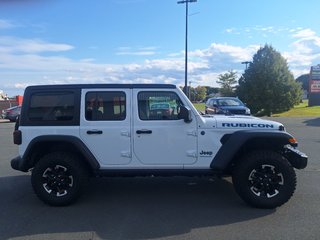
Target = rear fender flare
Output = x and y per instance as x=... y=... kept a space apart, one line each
x=89 y=158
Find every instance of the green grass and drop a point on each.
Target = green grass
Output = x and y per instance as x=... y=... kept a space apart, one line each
x=301 y=110
x=199 y=106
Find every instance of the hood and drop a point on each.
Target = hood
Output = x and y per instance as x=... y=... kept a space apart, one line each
x=240 y=123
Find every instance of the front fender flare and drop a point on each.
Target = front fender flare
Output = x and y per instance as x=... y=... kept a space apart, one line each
x=233 y=143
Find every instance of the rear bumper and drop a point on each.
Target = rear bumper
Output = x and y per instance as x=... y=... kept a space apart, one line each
x=296 y=158
x=17 y=164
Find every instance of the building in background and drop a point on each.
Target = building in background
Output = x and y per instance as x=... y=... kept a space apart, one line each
x=314 y=86
x=8 y=102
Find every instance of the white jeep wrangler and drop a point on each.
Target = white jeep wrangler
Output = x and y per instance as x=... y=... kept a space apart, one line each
x=67 y=133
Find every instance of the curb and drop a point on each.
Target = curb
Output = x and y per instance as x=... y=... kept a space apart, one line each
x=4 y=121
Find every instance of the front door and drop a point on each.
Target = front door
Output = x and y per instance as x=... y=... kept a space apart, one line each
x=160 y=137
x=105 y=125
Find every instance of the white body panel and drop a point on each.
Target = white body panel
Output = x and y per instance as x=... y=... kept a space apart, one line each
x=113 y=146
x=31 y=132
x=171 y=144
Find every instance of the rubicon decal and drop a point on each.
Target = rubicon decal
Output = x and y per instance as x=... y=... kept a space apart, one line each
x=247 y=125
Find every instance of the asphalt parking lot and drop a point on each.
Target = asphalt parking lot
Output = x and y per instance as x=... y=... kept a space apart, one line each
x=162 y=208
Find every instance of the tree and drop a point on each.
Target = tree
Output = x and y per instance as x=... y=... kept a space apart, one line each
x=304 y=80
x=201 y=93
x=211 y=90
x=268 y=85
x=198 y=94
x=227 y=81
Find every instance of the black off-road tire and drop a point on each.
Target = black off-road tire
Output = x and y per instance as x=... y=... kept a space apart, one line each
x=264 y=179
x=59 y=178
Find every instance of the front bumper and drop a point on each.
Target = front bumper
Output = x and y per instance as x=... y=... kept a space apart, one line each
x=296 y=158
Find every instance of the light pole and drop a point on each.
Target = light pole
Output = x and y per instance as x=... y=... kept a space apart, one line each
x=186 y=50
x=246 y=63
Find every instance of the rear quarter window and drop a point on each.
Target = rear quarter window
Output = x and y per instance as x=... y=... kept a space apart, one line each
x=51 y=108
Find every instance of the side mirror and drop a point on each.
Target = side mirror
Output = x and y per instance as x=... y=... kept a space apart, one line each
x=185 y=114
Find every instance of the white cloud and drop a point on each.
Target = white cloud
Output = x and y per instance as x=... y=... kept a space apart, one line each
x=20 y=85
x=203 y=67
x=140 y=51
x=148 y=48
x=229 y=30
x=164 y=64
x=260 y=30
x=305 y=50
x=176 y=54
x=5 y=24
x=304 y=33
x=221 y=57
x=12 y=44
x=23 y=63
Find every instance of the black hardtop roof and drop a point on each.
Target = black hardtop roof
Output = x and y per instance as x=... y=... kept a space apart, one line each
x=81 y=86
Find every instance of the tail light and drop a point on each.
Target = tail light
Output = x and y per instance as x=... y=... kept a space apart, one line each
x=17 y=137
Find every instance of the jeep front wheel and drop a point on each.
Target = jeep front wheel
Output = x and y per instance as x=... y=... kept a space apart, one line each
x=264 y=179
x=58 y=178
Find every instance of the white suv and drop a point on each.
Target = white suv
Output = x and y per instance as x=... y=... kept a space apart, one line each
x=67 y=133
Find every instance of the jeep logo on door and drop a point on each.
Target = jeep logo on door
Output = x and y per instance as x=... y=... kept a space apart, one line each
x=205 y=153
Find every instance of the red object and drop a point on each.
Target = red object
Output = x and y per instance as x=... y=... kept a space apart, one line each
x=19 y=99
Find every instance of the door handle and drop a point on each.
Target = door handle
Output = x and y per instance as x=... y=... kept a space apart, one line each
x=144 y=131
x=90 y=132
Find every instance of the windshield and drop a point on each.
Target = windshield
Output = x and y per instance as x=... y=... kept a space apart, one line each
x=229 y=102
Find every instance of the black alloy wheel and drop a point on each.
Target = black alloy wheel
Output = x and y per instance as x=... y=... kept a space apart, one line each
x=264 y=179
x=58 y=178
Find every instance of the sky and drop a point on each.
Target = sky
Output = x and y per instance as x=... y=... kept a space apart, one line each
x=143 y=41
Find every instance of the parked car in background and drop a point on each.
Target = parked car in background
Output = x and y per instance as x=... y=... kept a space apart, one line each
x=12 y=113
x=160 y=109
x=226 y=105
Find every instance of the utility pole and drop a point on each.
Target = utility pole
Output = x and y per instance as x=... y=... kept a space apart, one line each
x=186 y=46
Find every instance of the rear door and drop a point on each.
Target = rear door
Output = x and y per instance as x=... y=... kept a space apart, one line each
x=105 y=125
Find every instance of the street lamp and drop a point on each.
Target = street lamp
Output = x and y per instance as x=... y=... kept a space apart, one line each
x=186 y=50
x=246 y=63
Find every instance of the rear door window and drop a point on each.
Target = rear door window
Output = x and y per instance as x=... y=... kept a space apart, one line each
x=105 y=106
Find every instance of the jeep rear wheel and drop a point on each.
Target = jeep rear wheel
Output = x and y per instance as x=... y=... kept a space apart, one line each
x=58 y=178
x=264 y=179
